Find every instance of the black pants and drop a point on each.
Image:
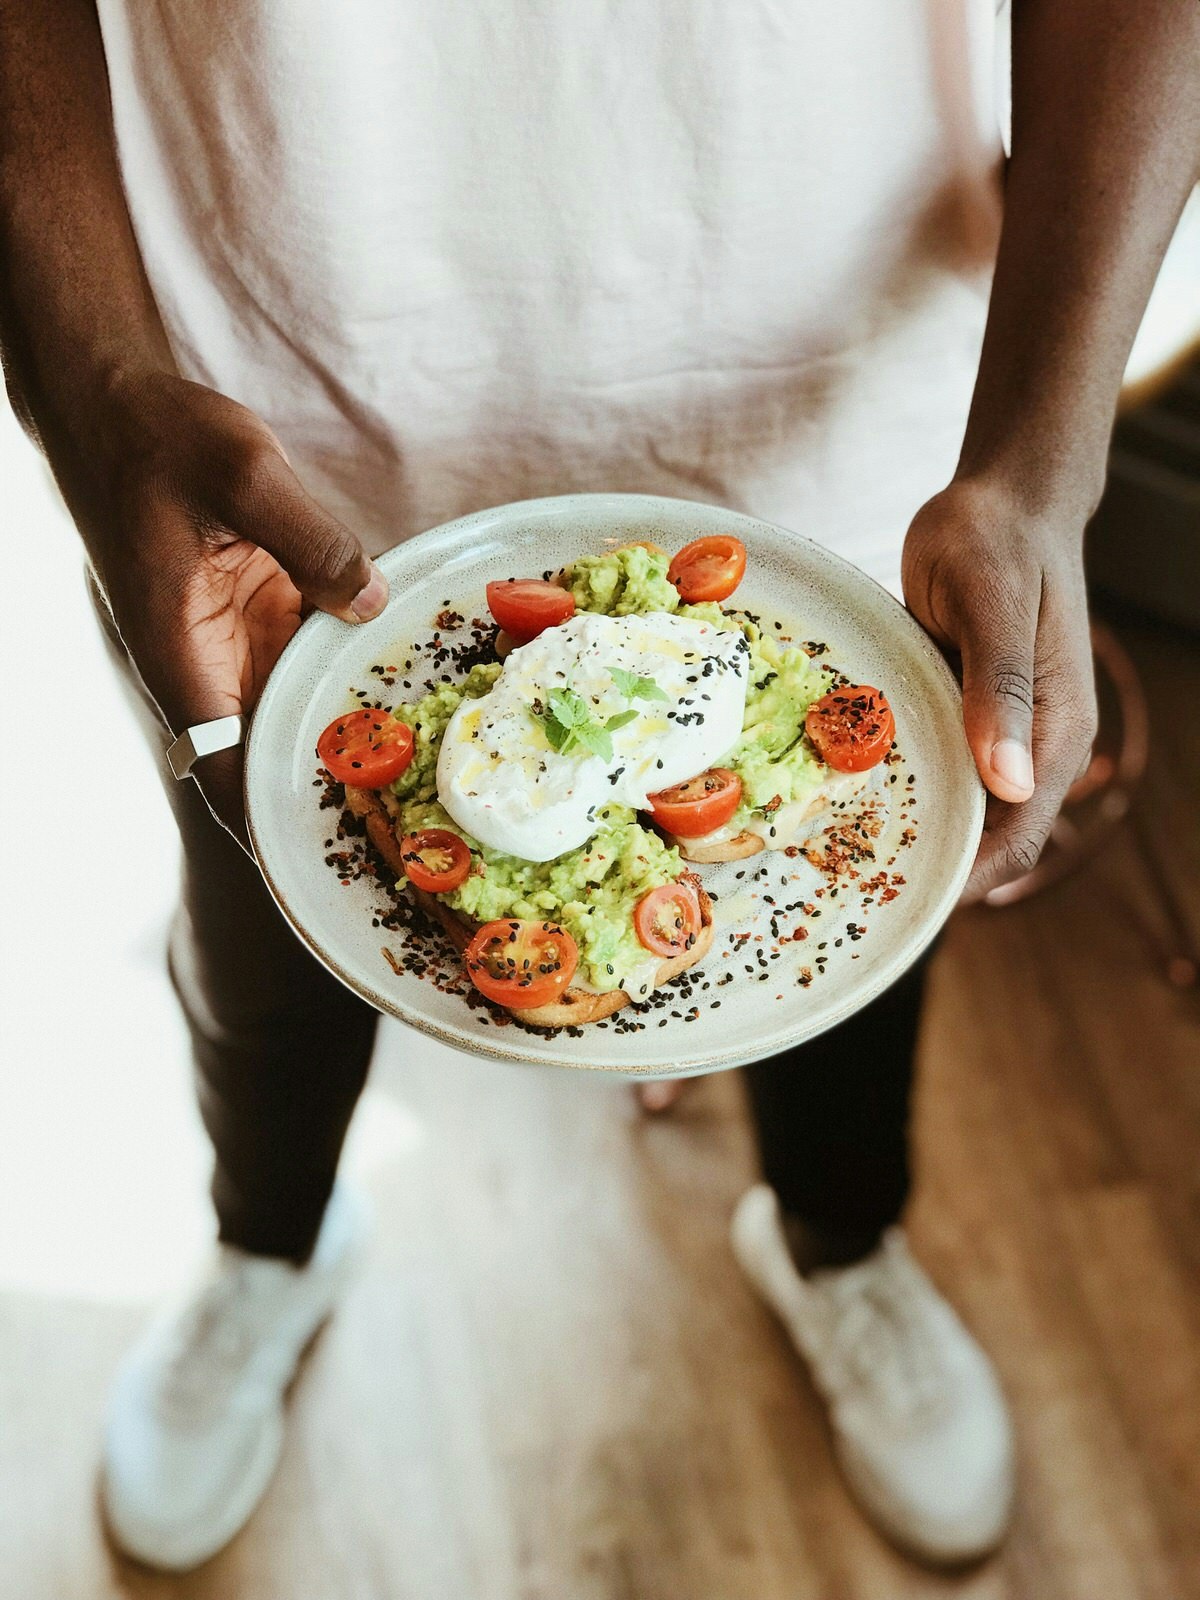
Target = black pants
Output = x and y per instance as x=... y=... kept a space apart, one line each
x=831 y=1118
x=282 y=1050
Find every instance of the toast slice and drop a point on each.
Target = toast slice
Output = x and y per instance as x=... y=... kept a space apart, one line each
x=746 y=843
x=737 y=848
x=794 y=826
x=575 y=1006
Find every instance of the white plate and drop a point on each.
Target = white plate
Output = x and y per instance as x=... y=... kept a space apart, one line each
x=820 y=597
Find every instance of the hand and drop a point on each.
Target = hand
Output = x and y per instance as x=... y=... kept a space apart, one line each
x=1003 y=590
x=206 y=548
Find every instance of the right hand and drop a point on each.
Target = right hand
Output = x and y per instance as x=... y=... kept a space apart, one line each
x=1003 y=591
x=206 y=547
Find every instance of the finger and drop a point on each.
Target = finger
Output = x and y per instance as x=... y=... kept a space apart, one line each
x=659 y=1095
x=219 y=777
x=998 y=647
x=268 y=504
x=185 y=699
x=1014 y=837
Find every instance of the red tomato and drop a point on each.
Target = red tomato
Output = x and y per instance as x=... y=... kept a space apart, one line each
x=709 y=569
x=524 y=607
x=852 y=728
x=435 y=859
x=366 y=748
x=699 y=805
x=521 y=964
x=667 y=920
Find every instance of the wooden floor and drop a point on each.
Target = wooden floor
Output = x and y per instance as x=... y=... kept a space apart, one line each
x=550 y=1382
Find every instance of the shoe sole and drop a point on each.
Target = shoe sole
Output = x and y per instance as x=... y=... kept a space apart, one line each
x=201 y=1545
x=166 y=1555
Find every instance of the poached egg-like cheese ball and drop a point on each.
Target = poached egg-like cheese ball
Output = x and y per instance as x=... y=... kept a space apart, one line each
x=504 y=782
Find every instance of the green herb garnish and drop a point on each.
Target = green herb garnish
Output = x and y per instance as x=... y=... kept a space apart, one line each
x=570 y=724
x=635 y=688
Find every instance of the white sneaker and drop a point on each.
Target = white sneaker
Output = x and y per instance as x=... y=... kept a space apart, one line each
x=195 y=1419
x=919 y=1422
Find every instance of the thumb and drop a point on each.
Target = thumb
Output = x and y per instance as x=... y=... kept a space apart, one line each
x=320 y=555
x=998 y=673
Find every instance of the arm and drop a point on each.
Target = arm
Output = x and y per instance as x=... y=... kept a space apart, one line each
x=1106 y=148
x=201 y=538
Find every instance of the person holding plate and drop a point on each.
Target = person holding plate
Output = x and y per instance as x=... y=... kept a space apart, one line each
x=281 y=284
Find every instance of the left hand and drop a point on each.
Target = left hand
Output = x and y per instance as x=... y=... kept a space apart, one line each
x=1002 y=588
x=206 y=547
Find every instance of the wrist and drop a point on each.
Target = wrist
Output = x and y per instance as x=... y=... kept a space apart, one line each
x=73 y=400
x=81 y=418
x=1039 y=428
x=977 y=525
x=1036 y=486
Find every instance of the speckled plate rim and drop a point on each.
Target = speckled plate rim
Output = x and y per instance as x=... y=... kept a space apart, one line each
x=425 y=554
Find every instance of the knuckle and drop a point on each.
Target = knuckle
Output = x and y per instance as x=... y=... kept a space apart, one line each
x=1071 y=726
x=1083 y=742
x=331 y=559
x=1021 y=853
x=252 y=467
x=1009 y=683
x=1003 y=587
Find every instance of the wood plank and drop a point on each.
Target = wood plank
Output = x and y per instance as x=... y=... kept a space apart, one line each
x=551 y=1384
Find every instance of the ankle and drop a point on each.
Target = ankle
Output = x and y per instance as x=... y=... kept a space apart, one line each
x=815 y=1248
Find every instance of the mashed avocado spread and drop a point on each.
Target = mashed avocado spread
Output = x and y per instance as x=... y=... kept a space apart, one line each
x=592 y=891
x=774 y=756
x=622 y=583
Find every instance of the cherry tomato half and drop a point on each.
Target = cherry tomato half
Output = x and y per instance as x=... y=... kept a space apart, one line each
x=435 y=859
x=366 y=748
x=699 y=805
x=709 y=569
x=521 y=964
x=525 y=607
x=667 y=920
x=852 y=728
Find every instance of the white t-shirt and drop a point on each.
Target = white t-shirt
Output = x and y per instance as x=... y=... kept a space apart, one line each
x=461 y=253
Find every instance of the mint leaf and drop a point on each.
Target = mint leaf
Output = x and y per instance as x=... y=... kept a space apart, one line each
x=569 y=723
x=554 y=730
x=568 y=707
x=595 y=739
x=635 y=688
x=647 y=689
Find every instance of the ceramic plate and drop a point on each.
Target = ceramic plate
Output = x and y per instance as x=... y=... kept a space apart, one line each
x=797 y=948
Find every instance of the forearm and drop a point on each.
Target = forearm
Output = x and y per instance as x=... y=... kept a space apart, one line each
x=1106 y=147
x=76 y=312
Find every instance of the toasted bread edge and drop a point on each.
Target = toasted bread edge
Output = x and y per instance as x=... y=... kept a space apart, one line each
x=575 y=1006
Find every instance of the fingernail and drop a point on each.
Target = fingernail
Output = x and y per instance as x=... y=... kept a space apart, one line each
x=372 y=597
x=1013 y=765
x=658 y=1096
